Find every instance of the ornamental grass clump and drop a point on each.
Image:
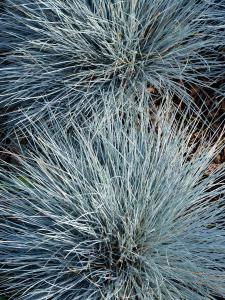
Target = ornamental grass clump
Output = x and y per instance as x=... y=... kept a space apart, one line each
x=124 y=211
x=64 y=55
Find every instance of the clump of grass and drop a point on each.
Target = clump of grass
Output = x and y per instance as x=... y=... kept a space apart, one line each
x=66 y=54
x=123 y=211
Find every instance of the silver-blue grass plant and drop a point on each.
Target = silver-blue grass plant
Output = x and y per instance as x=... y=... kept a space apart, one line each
x=66 y=54
x=125 y=211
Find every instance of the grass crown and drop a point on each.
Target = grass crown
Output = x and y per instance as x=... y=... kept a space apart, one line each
x=120 y=212
x=64 y=55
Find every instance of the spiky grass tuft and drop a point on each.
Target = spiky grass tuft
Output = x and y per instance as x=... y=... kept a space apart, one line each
x=117 y=213
x=65 y=54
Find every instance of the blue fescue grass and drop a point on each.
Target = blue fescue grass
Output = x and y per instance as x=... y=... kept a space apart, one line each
x=66 y=54
x=116 y=212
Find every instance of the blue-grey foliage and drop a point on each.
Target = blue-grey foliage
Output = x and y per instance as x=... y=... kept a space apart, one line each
x=66 y=54
x=121 y=212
